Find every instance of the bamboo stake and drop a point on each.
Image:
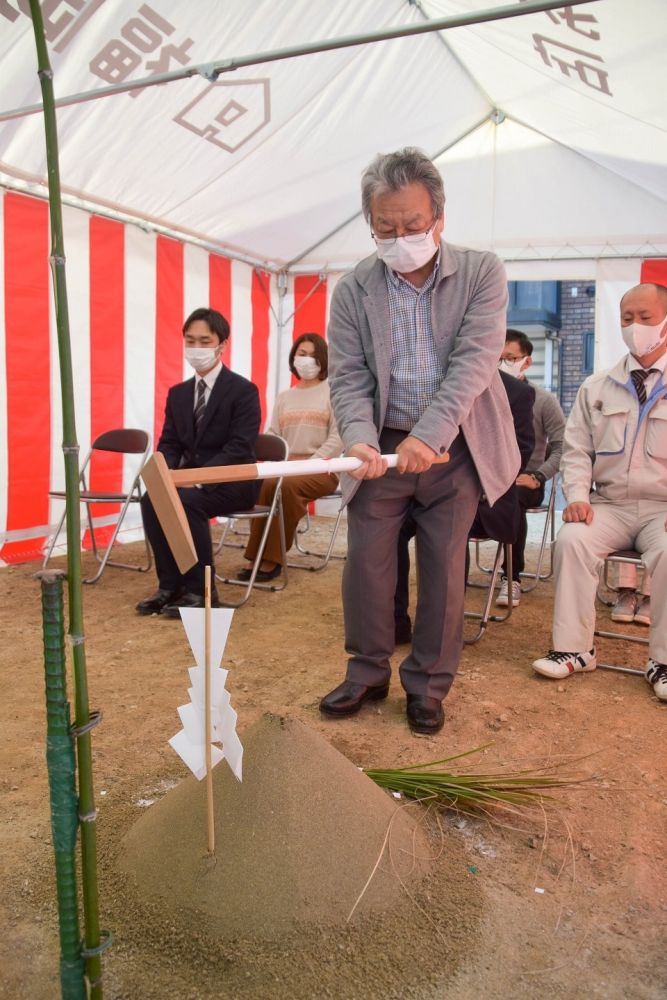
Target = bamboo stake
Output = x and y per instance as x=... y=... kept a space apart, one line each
x=61 y=767
x=87 y=812
x=207 y=710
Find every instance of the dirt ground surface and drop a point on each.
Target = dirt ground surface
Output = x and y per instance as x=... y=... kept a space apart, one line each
x=571 y=903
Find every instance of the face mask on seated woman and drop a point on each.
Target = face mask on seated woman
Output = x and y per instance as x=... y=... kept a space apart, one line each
x=306 y=367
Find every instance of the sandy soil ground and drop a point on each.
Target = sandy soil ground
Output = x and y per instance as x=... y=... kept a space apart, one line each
x=572 y=904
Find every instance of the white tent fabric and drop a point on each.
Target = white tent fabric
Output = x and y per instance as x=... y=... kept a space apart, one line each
x=550 y=129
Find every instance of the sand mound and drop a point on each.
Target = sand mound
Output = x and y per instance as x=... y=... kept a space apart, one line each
x=295 y=841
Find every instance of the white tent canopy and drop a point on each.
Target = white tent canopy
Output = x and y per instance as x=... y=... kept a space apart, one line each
x=550 y=129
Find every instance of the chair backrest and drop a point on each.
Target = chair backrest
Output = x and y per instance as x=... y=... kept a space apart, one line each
x=271 y=448
x=125 y=440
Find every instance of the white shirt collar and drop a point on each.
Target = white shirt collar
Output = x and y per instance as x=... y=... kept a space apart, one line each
x=210 y=377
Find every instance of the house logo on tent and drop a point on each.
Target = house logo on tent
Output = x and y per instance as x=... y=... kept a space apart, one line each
x=228 y=114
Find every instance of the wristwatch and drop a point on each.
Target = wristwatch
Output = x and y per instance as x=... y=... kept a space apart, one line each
x=541 y=478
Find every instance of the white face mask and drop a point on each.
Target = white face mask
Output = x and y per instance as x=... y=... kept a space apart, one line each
x=512 y=367
x=640 y=339
x=306 y=367
x=201 y=358
x=404 y=256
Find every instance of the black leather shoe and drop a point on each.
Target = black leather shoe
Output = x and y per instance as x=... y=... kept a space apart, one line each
x=402 y=631
x=262 y=574
x=425 y=715
x=154 y=604
x=348 y=698
x=172 y=610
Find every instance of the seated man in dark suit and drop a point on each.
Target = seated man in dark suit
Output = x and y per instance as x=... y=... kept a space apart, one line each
x=211 y=419
x=500 y=522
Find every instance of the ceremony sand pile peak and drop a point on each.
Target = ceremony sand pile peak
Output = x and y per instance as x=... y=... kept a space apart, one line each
x=296 y=841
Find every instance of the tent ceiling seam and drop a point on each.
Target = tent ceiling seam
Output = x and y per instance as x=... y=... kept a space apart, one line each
x=443 y=41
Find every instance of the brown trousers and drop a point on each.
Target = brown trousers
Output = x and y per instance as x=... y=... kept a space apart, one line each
x=297 y=493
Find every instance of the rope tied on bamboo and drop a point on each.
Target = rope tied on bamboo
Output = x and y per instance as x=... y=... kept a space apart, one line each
x=94 y=720
x=106 y=942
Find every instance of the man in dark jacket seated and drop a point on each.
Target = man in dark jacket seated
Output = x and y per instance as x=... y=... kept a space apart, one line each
x=500 y=522
x=211 y=419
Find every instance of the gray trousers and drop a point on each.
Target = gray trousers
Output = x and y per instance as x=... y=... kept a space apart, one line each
x=444 y=501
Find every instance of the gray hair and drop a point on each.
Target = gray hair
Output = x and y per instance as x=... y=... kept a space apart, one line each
x=393 y=171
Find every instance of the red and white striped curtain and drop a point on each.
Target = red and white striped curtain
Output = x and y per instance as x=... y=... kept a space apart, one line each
x=129 y=292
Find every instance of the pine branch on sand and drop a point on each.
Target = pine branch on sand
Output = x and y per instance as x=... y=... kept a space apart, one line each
x=512 y=789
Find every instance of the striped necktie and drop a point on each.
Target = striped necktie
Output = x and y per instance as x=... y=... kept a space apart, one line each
x=200 y=405
x=639 y=376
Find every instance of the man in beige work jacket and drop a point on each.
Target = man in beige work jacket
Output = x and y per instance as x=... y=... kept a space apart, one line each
x=614 y=470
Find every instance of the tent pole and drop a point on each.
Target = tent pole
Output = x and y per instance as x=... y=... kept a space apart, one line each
x=281 y=284
x=212 y=70
x=87 y=812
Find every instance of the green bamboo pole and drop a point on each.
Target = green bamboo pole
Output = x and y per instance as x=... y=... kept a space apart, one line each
x=87 y=812
x=61 y=766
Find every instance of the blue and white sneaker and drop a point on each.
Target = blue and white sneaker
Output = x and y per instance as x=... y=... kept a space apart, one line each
x=557 y=665
x=656 y=675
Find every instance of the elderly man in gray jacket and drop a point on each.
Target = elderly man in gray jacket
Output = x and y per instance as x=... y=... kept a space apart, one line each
x=415 y=334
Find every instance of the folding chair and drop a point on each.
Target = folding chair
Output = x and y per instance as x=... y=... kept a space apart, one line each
x=549 y=532
x=485 y=616
x=626 y=556
x=123 y=441
x=548 y=508
x=268 y=448
x=322 y=557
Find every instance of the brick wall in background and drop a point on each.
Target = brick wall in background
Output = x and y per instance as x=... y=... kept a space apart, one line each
x=577 y=319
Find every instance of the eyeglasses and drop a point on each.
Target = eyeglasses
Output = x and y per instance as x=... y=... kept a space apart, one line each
x=409 y=237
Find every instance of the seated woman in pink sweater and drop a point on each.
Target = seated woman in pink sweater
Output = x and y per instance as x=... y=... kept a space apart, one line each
x=303 y=416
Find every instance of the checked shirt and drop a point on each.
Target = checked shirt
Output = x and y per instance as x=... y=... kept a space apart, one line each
x=415 y=374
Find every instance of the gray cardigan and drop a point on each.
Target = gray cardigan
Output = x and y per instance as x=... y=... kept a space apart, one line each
x=468 y=304
x=549 y=423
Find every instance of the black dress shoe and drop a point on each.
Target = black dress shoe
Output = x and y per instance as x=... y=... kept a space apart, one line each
x=348 y=698
x=154 y=604
x=425 y=715
x=402 y=631
x=173 y=609
x=263 y=575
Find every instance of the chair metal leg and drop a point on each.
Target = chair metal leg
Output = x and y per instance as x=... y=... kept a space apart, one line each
x=490 y=570
x=605 y=633
x=302 y=530
x=482 y=569
x=484 y=616
x=621 y=670
x=538 y=576
x=323 y=557
x=54 y=538
x=105 y=559
x=250 y=584
x=230 y=545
